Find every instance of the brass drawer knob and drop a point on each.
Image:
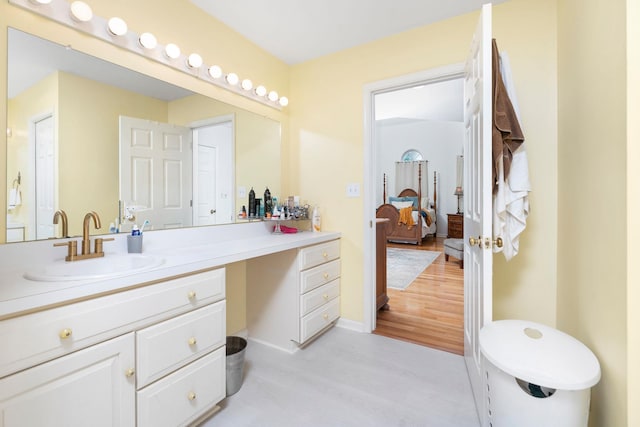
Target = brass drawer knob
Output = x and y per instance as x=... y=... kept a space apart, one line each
x=129 y=372
x=325 y=275
x=192 y=341
x=325 y=316
x=192 y=294
x=65 y=333
x=325 y=296
x=324 y=254
x=191 y=395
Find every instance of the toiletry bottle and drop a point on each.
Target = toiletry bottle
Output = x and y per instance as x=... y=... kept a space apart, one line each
x=268 y=208
x=243 y=213
x=252 y=203
x=112 y=228
x=135 y=231
x=315 y=219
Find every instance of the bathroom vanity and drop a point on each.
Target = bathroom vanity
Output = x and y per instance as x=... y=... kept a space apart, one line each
x=146 y=347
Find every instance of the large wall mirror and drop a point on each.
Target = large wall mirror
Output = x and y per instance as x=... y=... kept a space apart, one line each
x=68 y=114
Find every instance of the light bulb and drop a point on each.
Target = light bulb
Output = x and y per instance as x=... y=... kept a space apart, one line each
x=172 y=51
x=81 y=12
x=117 y=26
x=273 y=96
x=215 y=72
x=247 y=84
x=194 y=60
x=232 y=79
x=40 y=2
x=261 y=90
x=148 y=41
x=284 y=101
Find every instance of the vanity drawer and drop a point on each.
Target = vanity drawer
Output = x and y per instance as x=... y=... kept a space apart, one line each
x=169 y=345
x=318 y=254
x=318 y=276
x=37 y=337
x=319 y=319
x=315 y=298
x=183 y=396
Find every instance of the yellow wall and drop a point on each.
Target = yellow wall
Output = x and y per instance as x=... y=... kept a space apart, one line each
x=592 y=262
x=39 y=99
x=326 y=116
x=633 y=207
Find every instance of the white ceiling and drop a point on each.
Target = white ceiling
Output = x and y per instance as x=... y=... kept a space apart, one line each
x=296 y=30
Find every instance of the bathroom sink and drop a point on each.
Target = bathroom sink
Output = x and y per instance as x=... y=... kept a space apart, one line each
x=111 y=265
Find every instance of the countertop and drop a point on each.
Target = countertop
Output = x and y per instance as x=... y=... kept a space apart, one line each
x=182 y=251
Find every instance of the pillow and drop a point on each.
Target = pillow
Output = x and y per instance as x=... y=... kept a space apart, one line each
x=401 y=204
x=413 y=200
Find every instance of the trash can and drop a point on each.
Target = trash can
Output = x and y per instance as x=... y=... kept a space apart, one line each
x=536 y=375
x=236 y=347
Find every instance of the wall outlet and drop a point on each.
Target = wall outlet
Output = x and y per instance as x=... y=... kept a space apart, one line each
x=353 y=189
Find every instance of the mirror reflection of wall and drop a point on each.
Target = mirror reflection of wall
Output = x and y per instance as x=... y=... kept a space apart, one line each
x=84 y=107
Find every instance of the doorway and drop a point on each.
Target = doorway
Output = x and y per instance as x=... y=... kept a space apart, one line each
x=390 y=117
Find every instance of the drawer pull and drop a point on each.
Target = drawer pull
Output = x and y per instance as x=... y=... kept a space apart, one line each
x=325 y=275
x=191 y=395
x=325 y=316
x=325 y=296
x=192 y=341
x=324 y=254
x=192 y=294
x=129 y=372
x=65 y=333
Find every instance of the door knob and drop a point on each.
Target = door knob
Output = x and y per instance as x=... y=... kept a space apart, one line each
x=473 y=241
x=498 y=242
x=212 y=211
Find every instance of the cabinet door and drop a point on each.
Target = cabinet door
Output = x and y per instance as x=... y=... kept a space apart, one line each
x=92 y=387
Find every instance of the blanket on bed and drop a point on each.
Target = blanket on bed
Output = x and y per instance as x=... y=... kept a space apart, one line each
x=405 y=217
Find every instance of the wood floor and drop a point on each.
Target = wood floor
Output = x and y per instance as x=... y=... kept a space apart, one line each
x=430 y=311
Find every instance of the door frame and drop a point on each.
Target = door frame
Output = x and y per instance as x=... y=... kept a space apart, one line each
x=32 y=225
x=433 y=75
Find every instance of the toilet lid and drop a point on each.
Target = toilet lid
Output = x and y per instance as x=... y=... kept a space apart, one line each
x=539 y=354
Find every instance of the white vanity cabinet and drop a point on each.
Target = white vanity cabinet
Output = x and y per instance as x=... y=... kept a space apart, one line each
x=88 y=362
x=91 y=387
x=293 y=296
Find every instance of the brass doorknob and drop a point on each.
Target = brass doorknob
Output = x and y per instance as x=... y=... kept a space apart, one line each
x=473 y=241
x=498 y=242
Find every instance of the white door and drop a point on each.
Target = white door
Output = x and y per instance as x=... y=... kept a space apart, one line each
x=478 y=292
x=214 y=172
x=45 y=177
x=156 y=172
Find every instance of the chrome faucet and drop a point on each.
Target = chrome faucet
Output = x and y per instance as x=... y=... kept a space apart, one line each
x=86 y=242
x=72 y=245
x=61 y=215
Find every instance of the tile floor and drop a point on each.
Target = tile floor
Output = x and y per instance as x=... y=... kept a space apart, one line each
x=347 y=379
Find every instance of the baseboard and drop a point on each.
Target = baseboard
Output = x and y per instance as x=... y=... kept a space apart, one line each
x=352 y=325
x=289 y=350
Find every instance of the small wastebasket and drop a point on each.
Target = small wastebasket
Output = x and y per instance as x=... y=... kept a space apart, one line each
x=537 y=375
x=236 y=347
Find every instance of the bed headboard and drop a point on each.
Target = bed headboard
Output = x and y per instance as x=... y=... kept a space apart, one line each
x=410 y=192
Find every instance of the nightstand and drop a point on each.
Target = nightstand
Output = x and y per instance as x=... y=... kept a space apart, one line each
x=454 y=227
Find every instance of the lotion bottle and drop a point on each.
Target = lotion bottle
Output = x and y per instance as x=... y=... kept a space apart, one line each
x=315 y=219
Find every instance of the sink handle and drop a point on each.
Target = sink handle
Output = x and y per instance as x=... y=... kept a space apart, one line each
x=99 y=241
x=72 y=249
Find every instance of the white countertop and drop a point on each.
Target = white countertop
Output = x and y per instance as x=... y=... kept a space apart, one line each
x=182 y=251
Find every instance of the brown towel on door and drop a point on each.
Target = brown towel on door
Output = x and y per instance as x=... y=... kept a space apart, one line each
x=507 y=135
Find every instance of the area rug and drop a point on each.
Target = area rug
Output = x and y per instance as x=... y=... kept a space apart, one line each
x=404 y=265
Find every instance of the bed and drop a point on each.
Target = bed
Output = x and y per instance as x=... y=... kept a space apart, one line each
x=408 y=202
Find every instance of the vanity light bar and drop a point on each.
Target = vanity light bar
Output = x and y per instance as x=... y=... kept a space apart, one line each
x=78 y=15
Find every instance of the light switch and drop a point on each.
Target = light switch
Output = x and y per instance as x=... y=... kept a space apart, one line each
x=242 y=192
x=353 y=189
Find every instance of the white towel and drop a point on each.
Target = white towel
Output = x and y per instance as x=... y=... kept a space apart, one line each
x=511 y=201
